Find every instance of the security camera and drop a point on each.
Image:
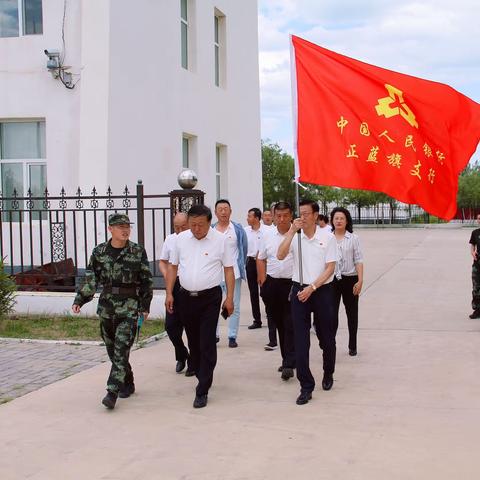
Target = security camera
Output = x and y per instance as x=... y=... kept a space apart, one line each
x=53 y=59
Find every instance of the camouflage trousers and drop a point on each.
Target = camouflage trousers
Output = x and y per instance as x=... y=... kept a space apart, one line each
x=476 y=286
x=118 y=335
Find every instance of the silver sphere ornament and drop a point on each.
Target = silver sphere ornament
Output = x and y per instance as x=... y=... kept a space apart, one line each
x=187 y=178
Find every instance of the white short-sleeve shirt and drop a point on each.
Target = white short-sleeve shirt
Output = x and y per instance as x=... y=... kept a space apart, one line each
x=316 y=253
x=168 y=247
x=268 y=251
x=200 y=262
x=254 y=238
x=231 y=241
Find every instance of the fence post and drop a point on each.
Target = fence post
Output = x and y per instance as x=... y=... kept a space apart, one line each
x=140 y=214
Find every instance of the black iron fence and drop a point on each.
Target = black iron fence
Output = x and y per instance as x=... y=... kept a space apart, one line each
x=46 y=241
x=385 y=214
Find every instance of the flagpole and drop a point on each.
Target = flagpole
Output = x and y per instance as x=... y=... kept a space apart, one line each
x=299 y=237
x=293 y=79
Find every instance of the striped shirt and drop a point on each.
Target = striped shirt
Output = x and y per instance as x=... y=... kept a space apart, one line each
x=349 y=255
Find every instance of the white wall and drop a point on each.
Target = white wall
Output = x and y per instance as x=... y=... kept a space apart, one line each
x=125 y=118
x=153 y=99
x=27 y=90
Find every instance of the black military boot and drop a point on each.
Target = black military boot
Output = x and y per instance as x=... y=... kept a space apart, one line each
x=127 y=390
x=110 y=400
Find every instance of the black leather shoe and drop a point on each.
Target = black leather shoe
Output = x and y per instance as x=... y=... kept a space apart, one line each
x=304 y=398
x=280 y=368
x=110 y=400
x=189 y=372
x=200 y=401
x=255 y=325
x=327 y=382
x=287 y=373
x=218 y=339
x=180 y=366
x=475 y=314
x=127 y=390
x=352 y=352
x=232 y=343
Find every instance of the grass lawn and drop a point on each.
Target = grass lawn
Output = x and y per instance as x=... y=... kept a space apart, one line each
x=65 y=327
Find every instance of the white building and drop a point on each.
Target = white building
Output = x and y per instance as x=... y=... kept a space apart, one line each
x=159 y=85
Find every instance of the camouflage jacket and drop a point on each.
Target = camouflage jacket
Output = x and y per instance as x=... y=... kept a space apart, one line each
x=128 y=270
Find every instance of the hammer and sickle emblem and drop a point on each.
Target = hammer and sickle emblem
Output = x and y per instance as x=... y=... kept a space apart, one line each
x=384 y=106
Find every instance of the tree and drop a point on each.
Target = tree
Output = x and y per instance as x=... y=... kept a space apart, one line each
x=278 y=174
x=468 y=195
x=359 y=198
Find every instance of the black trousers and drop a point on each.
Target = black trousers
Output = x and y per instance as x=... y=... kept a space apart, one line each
x=174 y=328
x=199 y=315
x=275 y=293
x=343 y=289
x=251 y=269
x=321 y=304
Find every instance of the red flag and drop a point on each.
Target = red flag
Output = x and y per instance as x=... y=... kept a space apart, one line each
x=365 y=127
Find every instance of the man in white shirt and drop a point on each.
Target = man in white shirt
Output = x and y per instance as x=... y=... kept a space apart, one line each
x=237 y=242
x=323 y=222
x=275 y=279
x=201 y=257
x=173 y=325
x=267 y=218
x=313 y=293
x=255 y=232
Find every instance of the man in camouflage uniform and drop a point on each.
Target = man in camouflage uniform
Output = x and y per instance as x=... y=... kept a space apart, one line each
x=475 y=252
x=121 y=267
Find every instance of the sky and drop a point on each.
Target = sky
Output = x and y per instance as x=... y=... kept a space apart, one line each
x=434 y=39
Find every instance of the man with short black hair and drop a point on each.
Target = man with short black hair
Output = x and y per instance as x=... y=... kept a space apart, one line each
x=255 y=231
x=173 y=325
x=200 y=257
x=323 y=222
x=267 y=218
x=237 y=242
x=275 y=279
x=122 y=268
x=313 y=293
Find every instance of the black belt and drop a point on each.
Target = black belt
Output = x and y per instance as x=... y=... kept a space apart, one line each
x=282 y=280
x=120 y=290
x=198 y=293
x=299 y=285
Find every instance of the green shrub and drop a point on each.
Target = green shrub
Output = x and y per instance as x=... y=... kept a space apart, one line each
x=7 y=289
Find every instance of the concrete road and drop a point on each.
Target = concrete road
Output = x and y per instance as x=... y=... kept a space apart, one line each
x=407 y=407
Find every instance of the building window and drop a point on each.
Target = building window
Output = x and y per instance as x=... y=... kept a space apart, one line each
x=217 y=55
x=219 y=48
x=20 y=17
x=217 y=173
x=189 y=151
x=221 y=171
x=22 y=162
x=32 y=17
x=184 y=32
x=185 y=152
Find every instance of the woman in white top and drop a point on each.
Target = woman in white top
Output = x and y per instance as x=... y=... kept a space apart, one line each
x=348 y=278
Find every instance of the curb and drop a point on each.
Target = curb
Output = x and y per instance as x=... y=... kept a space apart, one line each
x=135 y=346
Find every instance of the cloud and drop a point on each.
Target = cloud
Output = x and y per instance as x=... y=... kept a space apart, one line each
x=435 y=39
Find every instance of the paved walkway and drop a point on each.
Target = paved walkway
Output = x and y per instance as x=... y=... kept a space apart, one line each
x=29 y=366
x=405 y=408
